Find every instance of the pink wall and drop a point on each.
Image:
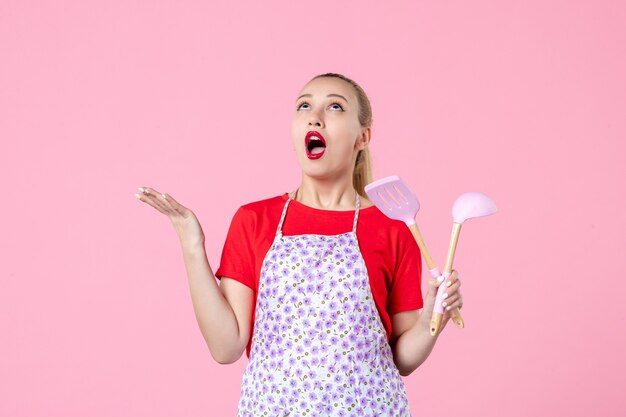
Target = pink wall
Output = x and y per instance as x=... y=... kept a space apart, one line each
x=524 y=101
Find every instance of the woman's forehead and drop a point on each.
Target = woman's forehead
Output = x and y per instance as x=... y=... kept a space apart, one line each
x=326 y=85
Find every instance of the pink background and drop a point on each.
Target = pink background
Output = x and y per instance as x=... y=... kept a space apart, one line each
x=524 y=101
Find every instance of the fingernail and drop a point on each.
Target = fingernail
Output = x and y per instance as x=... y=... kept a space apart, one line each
x=448 y=308
x=440 y=278
x=141 y=189
x=444 y=304
x=445 y=294
x=448 y=283
x=137 y=195
x=163 y=197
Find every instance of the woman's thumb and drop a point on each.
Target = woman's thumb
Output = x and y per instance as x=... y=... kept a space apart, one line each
x=433 y=285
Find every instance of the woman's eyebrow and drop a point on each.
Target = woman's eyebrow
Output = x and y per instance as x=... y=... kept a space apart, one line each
x=330 y=95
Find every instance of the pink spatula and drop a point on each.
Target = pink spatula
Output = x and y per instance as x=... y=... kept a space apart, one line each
x=394 y=198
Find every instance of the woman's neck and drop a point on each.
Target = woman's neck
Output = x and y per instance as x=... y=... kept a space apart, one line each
x=330 y=198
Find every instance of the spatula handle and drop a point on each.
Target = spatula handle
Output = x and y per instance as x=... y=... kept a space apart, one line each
x=420 y=242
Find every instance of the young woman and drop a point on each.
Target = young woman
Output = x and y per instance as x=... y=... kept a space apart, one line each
x=318 y=286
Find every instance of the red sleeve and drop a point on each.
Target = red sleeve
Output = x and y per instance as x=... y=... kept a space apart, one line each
x=237 y=260
x=406 y=287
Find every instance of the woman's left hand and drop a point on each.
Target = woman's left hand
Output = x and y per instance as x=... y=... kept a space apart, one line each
x=454 y=299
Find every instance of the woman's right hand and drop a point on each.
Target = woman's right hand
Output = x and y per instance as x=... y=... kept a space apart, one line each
x=184 y=220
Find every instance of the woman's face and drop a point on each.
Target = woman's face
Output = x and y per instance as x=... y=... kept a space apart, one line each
x=328 y=106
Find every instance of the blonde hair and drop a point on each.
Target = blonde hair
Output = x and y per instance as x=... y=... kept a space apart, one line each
x=362 y=174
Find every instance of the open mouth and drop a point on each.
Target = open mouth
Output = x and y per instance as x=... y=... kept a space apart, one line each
x=314 y=144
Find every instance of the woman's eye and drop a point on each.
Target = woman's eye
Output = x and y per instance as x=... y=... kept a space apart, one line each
x=332 y=104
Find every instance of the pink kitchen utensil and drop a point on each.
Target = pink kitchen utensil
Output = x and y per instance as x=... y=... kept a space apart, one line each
x=467 y=206
x=394 y=198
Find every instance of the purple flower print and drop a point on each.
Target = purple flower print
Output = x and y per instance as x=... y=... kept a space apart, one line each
x=292 y=361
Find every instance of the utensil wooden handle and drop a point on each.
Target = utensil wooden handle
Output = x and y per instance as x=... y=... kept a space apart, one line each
x=420 y=242
x=455 y=314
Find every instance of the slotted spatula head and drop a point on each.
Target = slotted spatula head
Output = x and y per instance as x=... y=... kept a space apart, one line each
x=394 y=198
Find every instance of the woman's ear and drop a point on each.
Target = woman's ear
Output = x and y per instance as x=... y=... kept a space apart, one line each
x=366 y=137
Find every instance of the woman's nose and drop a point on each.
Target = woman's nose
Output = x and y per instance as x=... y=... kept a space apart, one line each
x=315 y=121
